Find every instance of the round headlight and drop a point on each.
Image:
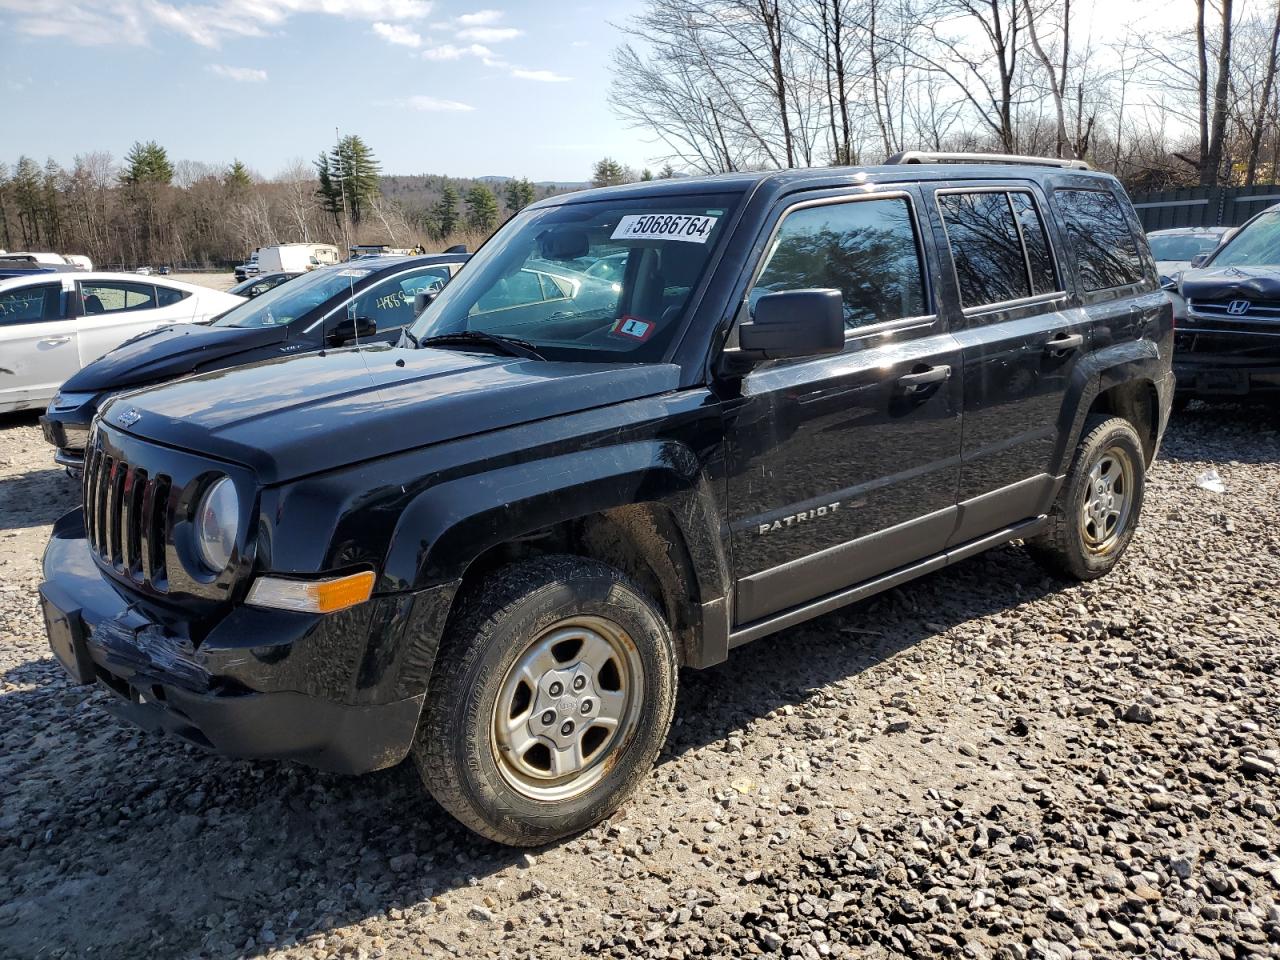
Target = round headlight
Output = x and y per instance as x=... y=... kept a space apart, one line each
x=217 y=523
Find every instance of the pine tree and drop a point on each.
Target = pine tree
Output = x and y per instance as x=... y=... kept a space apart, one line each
x=145 y=164
x=445 y=212
x=352 y=165
x=237 y=177
x=482 y=208
x=646 y=174
x=608 y=173
x=329 y=191
x=667 y=172
x=520 y=193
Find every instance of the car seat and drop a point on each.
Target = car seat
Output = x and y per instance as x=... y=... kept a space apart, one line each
x=92 y=304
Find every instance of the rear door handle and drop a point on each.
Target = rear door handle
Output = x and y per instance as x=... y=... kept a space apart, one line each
x=55 y=340
x=1064 y=343
x=915 y=382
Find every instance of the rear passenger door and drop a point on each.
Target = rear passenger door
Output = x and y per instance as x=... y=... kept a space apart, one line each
x=117 y=310
x=843 y=467
x=1021 y=336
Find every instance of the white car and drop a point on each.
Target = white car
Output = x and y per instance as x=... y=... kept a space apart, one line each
x=52 y=324
x=1175 y=249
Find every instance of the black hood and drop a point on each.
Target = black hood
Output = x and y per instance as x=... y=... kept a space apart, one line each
x=168 y=352
x=1228 y=283
x=314 y=412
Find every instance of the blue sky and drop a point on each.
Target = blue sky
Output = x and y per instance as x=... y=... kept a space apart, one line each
x=513 y=88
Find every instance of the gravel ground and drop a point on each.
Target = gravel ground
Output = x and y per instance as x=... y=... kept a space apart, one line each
x=986 y=763
x=215 y=281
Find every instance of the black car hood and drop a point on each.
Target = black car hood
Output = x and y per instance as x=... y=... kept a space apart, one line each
x=168 y=352
x=1225 y=283
x=299 y=415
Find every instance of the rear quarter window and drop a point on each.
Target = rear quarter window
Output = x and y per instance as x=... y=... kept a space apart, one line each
x=1105 y=248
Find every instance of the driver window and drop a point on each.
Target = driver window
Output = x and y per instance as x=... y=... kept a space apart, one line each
x=866 y=249
x=390 y=304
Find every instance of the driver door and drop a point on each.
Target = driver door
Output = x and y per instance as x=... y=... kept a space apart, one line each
x=38 y=348
x=843 y=468
x=389 y=303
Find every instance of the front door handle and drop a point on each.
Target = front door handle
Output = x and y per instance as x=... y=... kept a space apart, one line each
x=52 y=341
x=1064 y=343
x=915 y=382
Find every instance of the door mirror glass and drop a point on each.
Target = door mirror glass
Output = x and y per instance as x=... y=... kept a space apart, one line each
x=352 y=328
x=794 y=323
x=1199 y=260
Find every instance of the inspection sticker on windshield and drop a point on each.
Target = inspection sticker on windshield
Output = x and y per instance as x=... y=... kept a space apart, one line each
x=665 y=226
x=633 y=328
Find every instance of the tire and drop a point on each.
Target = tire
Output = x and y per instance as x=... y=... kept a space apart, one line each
x=516 y=784
x=1081 y=544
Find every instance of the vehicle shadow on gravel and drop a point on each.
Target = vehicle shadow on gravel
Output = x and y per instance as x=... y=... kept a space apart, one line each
x=36 y=498
x=121 y=841
x=1240 y=432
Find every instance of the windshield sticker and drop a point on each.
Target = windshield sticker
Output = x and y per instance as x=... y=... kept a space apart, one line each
x=664 y=226
x=633 y=328
x=354 y=273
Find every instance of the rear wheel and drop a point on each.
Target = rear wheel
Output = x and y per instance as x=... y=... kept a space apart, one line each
x=552 y=694
x=1094 y=518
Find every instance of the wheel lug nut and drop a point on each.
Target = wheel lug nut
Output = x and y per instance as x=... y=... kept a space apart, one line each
x=579 y=682
x=556 y=688
x=548 y=718
x=587 y=705
x=566 y=728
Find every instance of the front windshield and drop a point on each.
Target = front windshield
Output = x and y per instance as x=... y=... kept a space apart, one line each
x=1186 y=246
x=291 y=300
x=1257 y=245
x=603 y=280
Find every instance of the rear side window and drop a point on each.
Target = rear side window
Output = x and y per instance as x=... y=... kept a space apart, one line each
x=986 y=247
x=866 y=249
x=1104 y=244
x=115 y=296
x=1044 y=278
x=168 y=296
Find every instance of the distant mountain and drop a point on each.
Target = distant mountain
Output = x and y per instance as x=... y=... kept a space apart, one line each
x=548 y=184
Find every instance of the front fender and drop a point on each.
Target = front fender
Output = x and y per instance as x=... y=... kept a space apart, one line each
x=448 y=525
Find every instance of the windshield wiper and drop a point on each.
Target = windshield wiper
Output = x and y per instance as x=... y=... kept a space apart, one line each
x=512 y=346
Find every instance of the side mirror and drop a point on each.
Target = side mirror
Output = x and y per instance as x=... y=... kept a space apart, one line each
x=352 y=328
x=794 y=323
x=422 y=299
x=1199 y=260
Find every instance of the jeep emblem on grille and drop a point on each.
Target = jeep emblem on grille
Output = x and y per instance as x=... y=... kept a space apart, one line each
x=1238 y=307
x=129 y=417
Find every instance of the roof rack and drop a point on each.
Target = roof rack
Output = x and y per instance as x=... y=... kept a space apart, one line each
x=925 y=156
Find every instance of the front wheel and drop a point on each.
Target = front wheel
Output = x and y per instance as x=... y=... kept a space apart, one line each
x=1097 y=510
x=552 y=694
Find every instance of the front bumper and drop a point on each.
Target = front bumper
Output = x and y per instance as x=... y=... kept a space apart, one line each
x=1223 y=362
x=340 y=693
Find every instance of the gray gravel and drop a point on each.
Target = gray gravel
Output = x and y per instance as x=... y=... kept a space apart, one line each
x=987 y=763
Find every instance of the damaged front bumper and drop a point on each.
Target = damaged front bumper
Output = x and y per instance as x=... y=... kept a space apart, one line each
x=341 y=692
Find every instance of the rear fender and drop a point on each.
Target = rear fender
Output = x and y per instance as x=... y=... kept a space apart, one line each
x=1135 y=361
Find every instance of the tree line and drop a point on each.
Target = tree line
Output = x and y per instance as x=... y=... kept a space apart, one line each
x=750 y=84
x=149 y=209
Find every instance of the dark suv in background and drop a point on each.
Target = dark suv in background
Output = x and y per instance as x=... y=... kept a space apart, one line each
x=492 y=546
x=1227 y=312
x=371 y=300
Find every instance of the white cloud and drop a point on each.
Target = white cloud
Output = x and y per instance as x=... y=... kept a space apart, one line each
x=480 y=18
x=489 y=34
x=447 y=51
x=205 y=22
x=580 y=43
x=398 y=34
x=544 y=76
x=239 y=74
x=436 y=105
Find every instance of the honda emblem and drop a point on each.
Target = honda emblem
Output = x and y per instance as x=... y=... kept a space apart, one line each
x=1238 y=308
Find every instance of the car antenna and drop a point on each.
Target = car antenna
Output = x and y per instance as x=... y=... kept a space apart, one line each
x=342 y=187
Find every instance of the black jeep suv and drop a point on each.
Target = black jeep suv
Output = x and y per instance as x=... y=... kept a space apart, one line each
x=1227 y=313
x=492 y=545
x=347 y=303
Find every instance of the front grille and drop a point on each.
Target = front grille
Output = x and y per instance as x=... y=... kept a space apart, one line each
x=1254 y=309
x=125 y=512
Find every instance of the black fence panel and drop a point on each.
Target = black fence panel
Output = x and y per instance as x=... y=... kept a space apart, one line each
x=1203 y=206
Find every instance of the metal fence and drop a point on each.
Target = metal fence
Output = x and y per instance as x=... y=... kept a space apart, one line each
x=1203 y=206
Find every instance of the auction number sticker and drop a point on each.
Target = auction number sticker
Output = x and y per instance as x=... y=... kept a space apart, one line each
x=688 y=227
x=633 y=328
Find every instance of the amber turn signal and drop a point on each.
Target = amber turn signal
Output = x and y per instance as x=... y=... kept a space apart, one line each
x=312 y=596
